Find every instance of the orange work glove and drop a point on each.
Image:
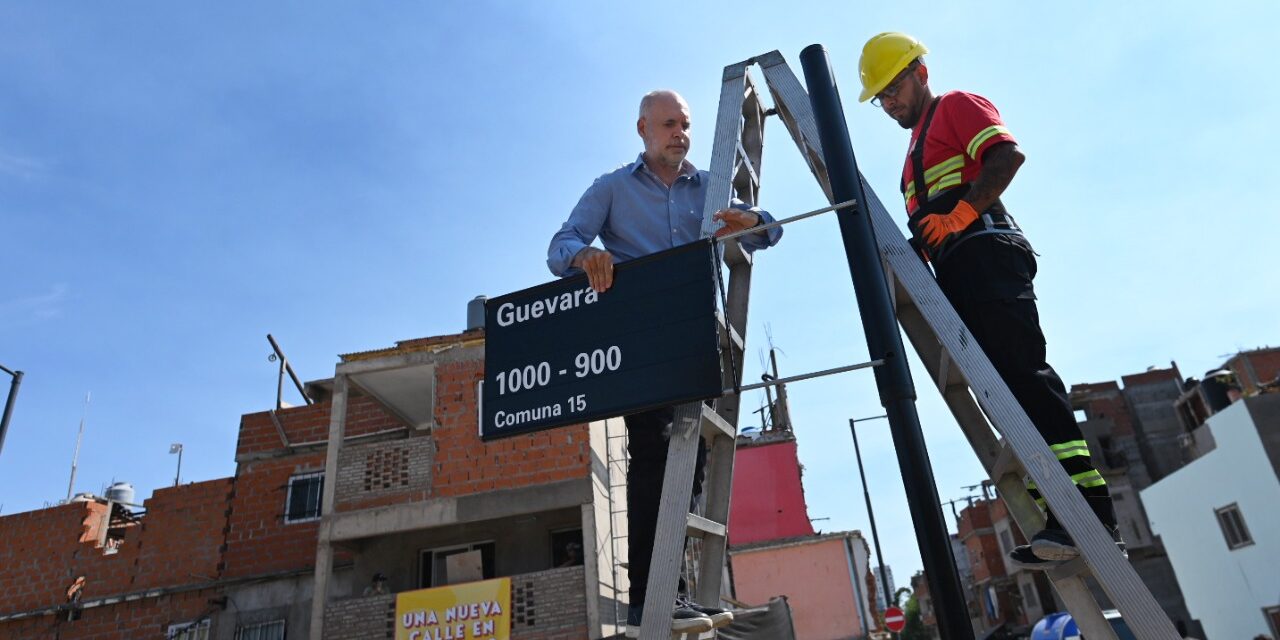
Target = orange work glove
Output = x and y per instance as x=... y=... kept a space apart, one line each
x=936 y=228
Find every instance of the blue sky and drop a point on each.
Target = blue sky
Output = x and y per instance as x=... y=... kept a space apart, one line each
x=178 y=180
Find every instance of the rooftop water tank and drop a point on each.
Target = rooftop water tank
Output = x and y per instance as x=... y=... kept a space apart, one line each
x=475 y=313
x=120 y=492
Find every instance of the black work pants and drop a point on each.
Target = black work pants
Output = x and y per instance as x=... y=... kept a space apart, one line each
x=988 y=280
x=648 y=436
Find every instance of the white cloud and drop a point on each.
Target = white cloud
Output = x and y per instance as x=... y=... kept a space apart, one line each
x=21 y=167
x=35 y=308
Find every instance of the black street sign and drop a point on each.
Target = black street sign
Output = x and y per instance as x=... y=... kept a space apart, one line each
x=560 y=353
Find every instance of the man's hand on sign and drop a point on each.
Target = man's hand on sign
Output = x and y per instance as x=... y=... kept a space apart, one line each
x=735 y=220
x=598 y=265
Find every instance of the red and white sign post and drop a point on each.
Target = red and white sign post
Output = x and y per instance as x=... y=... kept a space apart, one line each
x=894 y=619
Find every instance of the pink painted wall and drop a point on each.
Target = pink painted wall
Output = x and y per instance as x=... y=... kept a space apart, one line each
x=768 y=499
x=815 y=579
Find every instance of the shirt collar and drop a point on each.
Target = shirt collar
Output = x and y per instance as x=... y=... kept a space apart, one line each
x=686 y=168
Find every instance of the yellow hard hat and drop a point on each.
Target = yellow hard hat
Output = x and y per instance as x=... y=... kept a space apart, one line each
x=883 y=57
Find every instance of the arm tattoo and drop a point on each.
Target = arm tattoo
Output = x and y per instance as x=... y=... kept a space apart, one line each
x=999 y=164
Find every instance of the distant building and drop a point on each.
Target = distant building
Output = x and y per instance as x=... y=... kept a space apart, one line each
x=884 y=593
x=920 y=591
x=774 y=550
x=1136 y=438
x=1151 y=429
x=1219 y=521
x=965 y=570
x=999 y=595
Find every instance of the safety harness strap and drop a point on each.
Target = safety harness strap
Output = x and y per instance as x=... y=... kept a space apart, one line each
x=917 y=156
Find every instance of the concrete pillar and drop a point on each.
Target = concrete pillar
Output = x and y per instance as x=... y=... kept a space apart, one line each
x=324 y=568
x=591 y=586
x=324 y=550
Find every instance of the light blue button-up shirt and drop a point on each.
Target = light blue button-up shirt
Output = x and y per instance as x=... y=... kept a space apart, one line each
x=635 y=214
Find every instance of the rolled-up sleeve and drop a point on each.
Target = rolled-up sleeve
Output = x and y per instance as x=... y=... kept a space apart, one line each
x=754 y=241
x=580 y=230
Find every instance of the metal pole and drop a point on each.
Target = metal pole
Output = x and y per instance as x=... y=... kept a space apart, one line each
x=779 y=223
x=9 y=402
x=871 y=515
x=893 y=379
x=75 y=457
x=280 y=385
x=804 y=376
x=784 y=409
x=286 y=367
x=177 y=476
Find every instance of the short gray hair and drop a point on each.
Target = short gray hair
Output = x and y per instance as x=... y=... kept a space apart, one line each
x=652 y=96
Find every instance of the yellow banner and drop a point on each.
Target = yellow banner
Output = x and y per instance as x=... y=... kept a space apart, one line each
x=471 y=611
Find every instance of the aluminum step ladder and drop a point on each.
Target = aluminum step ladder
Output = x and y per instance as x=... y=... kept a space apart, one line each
x=980 y=401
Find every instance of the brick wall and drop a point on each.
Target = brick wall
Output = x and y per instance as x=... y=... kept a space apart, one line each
x=382 y=472
x=360 y=618
x=976 y=530
x=183 y=533
x=309 y=424
x=549 y=605
x=1103 y=401
x=177 y=543
x=147 y=618
x=464 y=464
x=258 y=539
x=1264 y=363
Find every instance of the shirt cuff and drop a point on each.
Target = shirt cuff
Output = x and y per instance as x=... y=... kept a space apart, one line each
x=561 y=259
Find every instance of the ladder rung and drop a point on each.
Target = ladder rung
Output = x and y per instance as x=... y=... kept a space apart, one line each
x=728 y=335
x=944 y=370
x=714 y=426
x=1006 y=463
x=705 y=635
x=700 y=527
x=1069 y=569
x=745 y=161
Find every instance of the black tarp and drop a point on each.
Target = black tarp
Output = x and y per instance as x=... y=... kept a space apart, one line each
x=766 y=622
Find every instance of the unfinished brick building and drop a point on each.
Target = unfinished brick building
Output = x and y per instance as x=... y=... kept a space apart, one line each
x=410 y=485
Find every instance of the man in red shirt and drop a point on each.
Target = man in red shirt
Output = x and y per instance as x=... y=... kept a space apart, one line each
x=961 y=160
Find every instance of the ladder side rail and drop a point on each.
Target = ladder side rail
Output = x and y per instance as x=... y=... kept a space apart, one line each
x=1112 y=570
x=748 y=143
x=791 y=101
x=673 y=515
x=724 y=146
x=745 y=146
x=1074 y=592
x=718 y=486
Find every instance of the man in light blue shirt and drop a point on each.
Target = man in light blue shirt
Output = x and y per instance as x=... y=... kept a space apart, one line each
x=652 y=204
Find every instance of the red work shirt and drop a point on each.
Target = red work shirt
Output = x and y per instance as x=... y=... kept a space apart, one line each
x=964 y=126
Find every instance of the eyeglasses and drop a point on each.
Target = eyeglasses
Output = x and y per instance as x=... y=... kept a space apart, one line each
x=894 y=86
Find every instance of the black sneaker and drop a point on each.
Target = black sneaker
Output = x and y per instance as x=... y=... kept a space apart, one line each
x=1023 y=558
x=683 y=620
x=1057 y=545
x=719 y=617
